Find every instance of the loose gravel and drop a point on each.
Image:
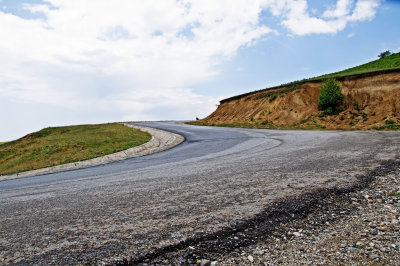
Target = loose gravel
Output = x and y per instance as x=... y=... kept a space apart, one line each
x=358 y=225
x=361 y=227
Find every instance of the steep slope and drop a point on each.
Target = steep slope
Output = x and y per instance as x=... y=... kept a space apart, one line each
x=386 y=63
x=372 y=102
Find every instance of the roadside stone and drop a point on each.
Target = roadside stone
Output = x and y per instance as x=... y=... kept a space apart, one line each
x=258 y=252
x=205 y=263
x=374 y=256
x=353 y=249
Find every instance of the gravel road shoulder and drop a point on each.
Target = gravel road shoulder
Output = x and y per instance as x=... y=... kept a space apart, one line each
x=358 y=225
x=161 y=140
x=358 y=228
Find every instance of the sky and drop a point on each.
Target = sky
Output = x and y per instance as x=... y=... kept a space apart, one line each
x=66 y=62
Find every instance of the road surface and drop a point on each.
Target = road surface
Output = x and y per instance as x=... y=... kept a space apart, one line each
x=215 y=179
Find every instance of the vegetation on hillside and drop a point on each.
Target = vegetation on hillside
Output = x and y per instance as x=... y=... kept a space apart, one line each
x=390 y=124
x=289 y=107
x=385 y=54
x=58 y=145
x=331 y=97
x=385 y=62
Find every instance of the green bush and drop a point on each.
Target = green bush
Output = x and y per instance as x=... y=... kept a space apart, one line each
x=385 y=54
x=357 y=105
x=365 y=116
x=328 y=111
x=331 y=95
x=272 y=97
x=389 y=125
x=390 y=122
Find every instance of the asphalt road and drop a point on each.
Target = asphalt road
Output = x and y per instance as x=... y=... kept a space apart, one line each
x=216 y=178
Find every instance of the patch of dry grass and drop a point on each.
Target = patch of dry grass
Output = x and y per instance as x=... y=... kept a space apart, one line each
x=59 y=145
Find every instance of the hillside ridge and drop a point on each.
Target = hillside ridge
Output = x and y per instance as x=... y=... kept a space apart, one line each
x=342 y=78
x=387 y=64
x=371 y=102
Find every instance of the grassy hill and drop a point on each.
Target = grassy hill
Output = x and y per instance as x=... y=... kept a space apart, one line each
x=371 y=101
x=59 y=145
x=386 y=63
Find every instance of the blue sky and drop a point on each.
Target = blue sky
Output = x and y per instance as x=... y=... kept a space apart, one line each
x=74 y=61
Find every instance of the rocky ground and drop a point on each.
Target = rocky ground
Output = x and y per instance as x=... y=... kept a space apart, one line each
x=364 y=230
x=353 y=226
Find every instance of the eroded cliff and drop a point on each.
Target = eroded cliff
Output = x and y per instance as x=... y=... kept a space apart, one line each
x=372 y=101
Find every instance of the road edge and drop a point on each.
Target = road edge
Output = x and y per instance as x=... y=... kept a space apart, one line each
x=161 y=140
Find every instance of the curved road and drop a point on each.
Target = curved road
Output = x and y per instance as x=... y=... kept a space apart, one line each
x=217 y=177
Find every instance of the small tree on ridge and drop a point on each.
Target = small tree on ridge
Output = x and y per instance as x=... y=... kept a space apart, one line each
x=384 y=54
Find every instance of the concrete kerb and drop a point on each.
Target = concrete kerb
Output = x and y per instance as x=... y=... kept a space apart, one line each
x=161 y=140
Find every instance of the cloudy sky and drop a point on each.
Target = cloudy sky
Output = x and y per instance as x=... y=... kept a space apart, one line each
x=68 y=62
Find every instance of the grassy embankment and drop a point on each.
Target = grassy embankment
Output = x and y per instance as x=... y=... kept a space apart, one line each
x=387 y=63
x=59 y=145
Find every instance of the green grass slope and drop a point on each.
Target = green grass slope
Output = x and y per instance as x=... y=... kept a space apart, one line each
x=386 y=63
x=58 y=145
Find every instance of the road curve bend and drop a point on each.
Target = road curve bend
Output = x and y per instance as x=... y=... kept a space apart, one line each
x=214 y=179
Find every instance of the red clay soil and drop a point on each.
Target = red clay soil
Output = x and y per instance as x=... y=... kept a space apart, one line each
x=370 y=100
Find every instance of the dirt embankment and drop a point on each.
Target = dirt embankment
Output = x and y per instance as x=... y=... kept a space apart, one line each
x=372 y=100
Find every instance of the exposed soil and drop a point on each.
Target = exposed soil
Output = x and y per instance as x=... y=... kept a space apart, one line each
x=370 y=101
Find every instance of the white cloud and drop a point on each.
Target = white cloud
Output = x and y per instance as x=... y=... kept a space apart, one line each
x=364 y=10
x=148 y=48
x=351 y=35
x=297 y=18
x=299 y=22
x=342 y=9
x=141 y=58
